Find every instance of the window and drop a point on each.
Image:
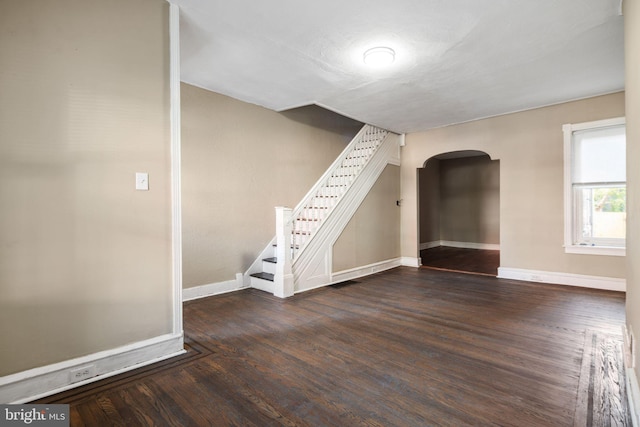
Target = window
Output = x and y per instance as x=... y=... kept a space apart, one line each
x=595 y=187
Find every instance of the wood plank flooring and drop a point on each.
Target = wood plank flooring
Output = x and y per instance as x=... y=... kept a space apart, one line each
x=478 y=261
x=407 y=347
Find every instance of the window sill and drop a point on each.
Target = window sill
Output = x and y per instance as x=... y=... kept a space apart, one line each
x=595 y=250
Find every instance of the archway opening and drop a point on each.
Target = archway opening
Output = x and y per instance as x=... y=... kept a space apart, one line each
x=459 y=212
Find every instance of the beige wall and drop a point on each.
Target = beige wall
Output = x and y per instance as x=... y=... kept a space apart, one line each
x=240 y=161
x=467 y=208
x=373 y=234
x=632 y=59
x=429 y=199
x=85 y=260
x=529 y=146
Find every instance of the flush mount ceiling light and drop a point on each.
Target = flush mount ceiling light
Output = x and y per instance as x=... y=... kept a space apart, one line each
x=379 y=56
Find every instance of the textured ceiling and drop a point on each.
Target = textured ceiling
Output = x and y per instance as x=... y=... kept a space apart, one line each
x=456 y=60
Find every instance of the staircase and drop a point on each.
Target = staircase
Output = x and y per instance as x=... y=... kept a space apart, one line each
x=296 y=259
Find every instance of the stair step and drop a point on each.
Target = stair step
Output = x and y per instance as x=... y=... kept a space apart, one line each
x=263 y=276
x=269 y=265
x=291 y=247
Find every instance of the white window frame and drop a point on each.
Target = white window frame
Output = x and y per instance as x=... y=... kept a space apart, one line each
x=569 y=218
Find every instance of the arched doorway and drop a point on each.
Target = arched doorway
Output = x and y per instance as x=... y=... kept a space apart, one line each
x=459 y=212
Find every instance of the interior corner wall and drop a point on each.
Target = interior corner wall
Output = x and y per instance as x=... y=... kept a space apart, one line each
x=240 y=161
x=529 y=145
x=85 y=259
x=373 y=233
x=429 y=199
x=632 y=60
x=470 y=200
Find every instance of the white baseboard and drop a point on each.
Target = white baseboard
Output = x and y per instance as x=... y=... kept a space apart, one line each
x=569 y=279
x=470 y=245
x=203 y=291
x=44 y=381
x=429 y=245
x=463 y=245
x=633 y=392
x=354 y=273
x=410 y=261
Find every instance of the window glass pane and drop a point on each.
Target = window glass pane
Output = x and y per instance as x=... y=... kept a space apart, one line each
x=599 y=155
x=601 y=214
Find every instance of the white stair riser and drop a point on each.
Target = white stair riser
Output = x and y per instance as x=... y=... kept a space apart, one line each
x=268 y=267
x=332 y=191
x=263 y=285
x=324 y=202
x=340 y=180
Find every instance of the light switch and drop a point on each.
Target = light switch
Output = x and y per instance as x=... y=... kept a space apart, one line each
x=142 y=181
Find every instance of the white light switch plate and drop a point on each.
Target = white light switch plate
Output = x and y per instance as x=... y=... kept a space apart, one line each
x=142 y=181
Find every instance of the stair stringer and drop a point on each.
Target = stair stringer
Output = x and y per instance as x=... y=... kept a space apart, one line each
x=312 y=268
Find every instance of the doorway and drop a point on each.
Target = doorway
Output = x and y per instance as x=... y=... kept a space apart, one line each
x=459 y=212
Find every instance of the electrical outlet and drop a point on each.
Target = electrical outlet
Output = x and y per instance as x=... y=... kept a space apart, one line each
x=81 y=374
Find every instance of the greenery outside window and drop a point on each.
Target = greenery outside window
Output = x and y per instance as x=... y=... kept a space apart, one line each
x=595 y=187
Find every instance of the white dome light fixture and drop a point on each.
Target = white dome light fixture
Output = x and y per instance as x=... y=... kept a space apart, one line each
x=379 y=56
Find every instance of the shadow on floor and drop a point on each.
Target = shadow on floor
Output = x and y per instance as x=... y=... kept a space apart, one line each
x=477 y=261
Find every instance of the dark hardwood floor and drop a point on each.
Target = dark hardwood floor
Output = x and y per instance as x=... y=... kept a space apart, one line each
x=407 y=347
x=478 y=261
